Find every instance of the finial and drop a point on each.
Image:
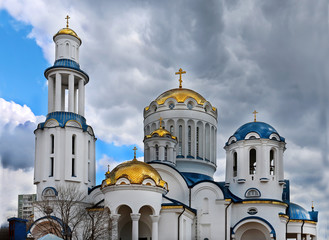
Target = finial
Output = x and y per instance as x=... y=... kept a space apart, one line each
x=135 y=149
x=312 y=206
x=108 y=167
x=255 y=115
x=160 y=122
x=180 y=72
x=67 y=21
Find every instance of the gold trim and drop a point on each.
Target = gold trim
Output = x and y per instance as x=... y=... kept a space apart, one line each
x=73 y=121
x=284 y=216
x=214 y=109
x=147 y=108
x=300 y=221
x=265 y=202
x=171 y=207
x=50 y=120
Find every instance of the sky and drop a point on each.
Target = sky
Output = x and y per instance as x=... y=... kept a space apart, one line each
x=271 y=56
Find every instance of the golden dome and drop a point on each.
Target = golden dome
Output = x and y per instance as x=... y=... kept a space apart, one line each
x=136 y=172
x=67 y=31
x=161 y=132
x=180 y=94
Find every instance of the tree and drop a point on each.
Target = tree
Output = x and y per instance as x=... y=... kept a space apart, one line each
x=67 y=214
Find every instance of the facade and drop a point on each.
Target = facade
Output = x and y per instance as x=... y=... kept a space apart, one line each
x=25 y=206
x=172 y=194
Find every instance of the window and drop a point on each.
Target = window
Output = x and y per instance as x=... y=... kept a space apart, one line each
x=52 y=144
x=235 y=164
x=180 y=143
x=166 y=153
x=89 y=171
x=272 y=163
x=73 y=167
x=189 y=143
x=252 y=192
x=73 y=144
x=205 y=206
x=67 y=49
x=252 y=162
x=197 y=142
x=156 y=152
x=88 y=149
x=51 y=173
x=172 y=129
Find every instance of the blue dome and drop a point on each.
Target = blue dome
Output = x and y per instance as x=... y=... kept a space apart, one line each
x=297 y=212
x=264 y=130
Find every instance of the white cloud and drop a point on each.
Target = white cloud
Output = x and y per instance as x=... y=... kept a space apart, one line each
x=13 y=182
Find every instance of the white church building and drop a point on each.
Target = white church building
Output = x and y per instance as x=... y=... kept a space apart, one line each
x=172 y=194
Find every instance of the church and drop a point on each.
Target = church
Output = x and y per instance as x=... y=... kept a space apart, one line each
x=172 y=194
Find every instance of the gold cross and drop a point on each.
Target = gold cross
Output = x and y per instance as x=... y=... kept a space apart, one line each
x=135 y=149
x=67 y=21
x=161 y=122
x=180 y=72
x=255 y=115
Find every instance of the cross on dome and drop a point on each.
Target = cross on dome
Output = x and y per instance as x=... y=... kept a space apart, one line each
x=135 y=149
x=254 y=112
x=67 y=20
x=180 y=72
x=160 y=122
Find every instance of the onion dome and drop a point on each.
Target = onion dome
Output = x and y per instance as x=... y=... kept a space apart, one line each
x=135 y=172
x=161 y=132
x=67 y=31
x=262 y=130
x=180 y=94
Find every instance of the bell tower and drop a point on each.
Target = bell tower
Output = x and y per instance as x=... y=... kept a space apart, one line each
x=65 y=144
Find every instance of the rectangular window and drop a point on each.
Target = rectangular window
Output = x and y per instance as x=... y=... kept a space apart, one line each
x=89 y=171
x=51 y=173
x=73 y=167
x=189 y=141
x=88 y=149
x=197 y=142
x=180 y=136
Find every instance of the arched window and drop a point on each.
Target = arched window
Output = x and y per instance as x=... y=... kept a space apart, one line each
x=205 y=206
x=252 y=162
x=156 y=152
x=197 y=142
x=272 y=162
x=172 y=129
x=52 y=143
x=252 y=192
x=67 y=46
x=180 y=143
x=73 y=144
x=189 y=142
x=235 y=164
x=166 y=153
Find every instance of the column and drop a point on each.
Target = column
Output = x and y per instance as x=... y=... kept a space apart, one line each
x=50 y=94
x=63 y=99
x=135 y=217
x=58 y=96
x=161 y=153
x=155 y=231
x=170 y=154
x=75 y=99
x=81 y=108
x=71 y=93
x=114 y=226
x=152 y=153
x=299 y=236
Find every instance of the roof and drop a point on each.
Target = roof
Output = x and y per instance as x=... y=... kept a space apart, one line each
x=67 y=31
x=263 y=129
x=66 y=63
x=296 y=212
x=63 y=117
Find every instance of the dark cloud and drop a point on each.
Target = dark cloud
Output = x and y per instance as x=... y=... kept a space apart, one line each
x=17 y=146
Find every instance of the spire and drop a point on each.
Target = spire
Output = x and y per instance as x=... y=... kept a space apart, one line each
x=160 y=122
x=312 y=206
x=180 y=72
